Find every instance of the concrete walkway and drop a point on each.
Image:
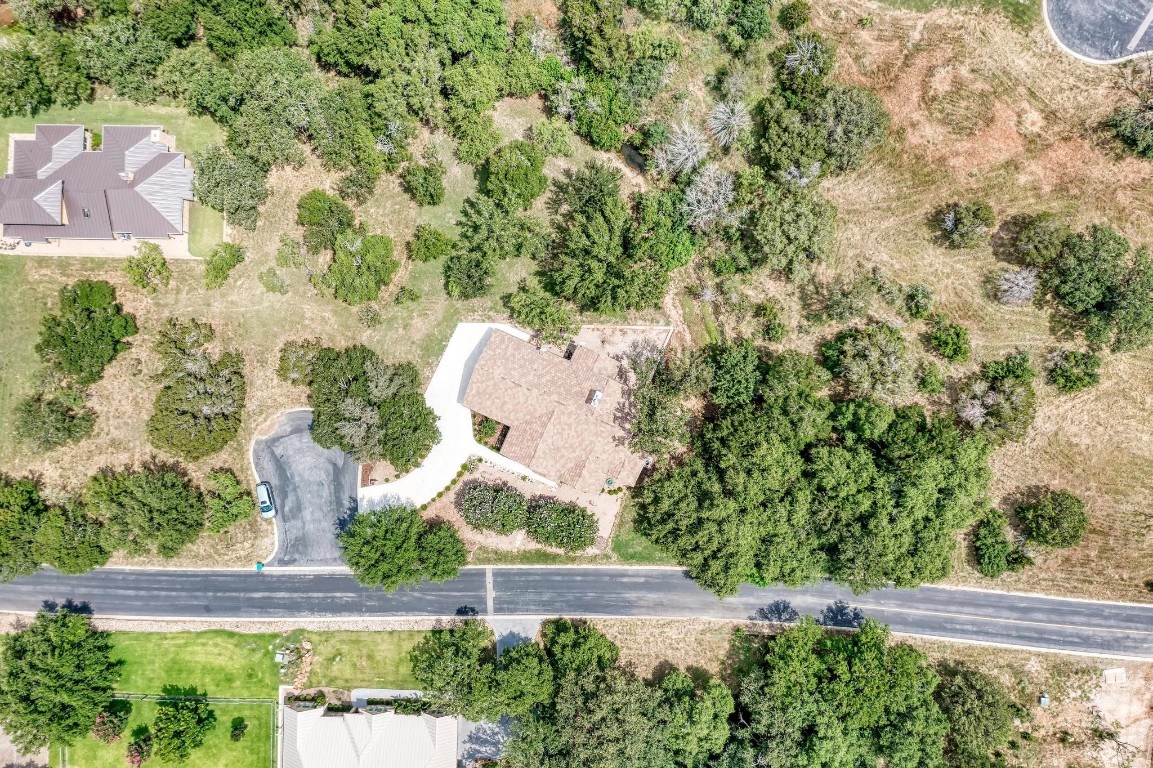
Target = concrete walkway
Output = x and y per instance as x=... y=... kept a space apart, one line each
x=457 y=445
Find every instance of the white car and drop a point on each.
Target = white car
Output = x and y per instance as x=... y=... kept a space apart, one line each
x=265 y=500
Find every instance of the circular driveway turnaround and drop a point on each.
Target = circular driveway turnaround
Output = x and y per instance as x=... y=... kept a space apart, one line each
x=314 y=489
x=1101 y=31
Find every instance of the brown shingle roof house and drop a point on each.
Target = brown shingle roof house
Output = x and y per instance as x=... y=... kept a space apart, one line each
x=565 y=415
x=372 y=737
x=133 y=186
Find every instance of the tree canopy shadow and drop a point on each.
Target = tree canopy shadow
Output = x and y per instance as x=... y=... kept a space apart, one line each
x=777 y=612
x=841 y=615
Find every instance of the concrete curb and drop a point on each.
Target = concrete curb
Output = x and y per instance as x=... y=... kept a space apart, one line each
x=709 y=619
x=1080 y=56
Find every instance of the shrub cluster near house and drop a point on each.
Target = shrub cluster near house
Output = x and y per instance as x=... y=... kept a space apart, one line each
x=501 y=508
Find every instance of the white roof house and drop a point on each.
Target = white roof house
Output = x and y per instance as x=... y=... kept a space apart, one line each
x=372 y=737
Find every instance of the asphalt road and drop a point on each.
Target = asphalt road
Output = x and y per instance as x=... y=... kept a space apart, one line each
x=1102 y=30
x=968 y=615
x=314 y=488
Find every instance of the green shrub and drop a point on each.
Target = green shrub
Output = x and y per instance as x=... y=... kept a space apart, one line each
x=324 y=218
x=361 y=265
x=847 y=299
x=951 y=340
x=1133 y=126
x=70 y=540
x=146 y=267
x=1040 y=238
x=272 y=281
x=393 y=547
x=1071 y=371
x=873 y=361
x=231 y=184
x=1056 y=519
x=493 y=507
x=425 y=183
x=560 y=524
x=220 y=262
x=153 y=509
x=226 y=499
x=994 y=553
x=918 y=302
x=774 y=328
x=477 y=137
x=429 y=244
x=290 y=253
x=930 y=381
x=296 y=361
x=200 y=404
x=485 y=430
x=999 y=403
x=806 y=60
x=514 y=174
x=548 y=316
x=87 y=334
x=794 y=15
x=45 y=421
x=966 y=225
x=407 y=295
x=554 y=136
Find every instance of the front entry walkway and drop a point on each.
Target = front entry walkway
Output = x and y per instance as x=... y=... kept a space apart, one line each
x=457 y=444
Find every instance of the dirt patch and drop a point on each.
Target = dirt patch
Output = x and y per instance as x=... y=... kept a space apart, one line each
x=618 y=342
x=1088 y=721
x=545 y=11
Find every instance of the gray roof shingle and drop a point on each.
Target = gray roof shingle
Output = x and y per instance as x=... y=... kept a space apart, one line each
x=132 y=185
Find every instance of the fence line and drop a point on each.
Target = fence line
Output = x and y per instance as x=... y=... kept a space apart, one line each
x=209 y=699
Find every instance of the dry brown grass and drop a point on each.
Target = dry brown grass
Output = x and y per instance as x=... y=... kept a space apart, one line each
x=982 y=109
x=648 y=645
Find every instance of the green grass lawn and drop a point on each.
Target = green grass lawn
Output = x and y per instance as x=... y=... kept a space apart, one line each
x=255 y=750
x=630 y=547
x=20 y=313
x=1025 y=13
x=192 y=133
x=205 y=229
x=350 y=660
x=217 y=663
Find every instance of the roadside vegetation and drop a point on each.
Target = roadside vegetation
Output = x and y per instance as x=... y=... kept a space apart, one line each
x=792 y=695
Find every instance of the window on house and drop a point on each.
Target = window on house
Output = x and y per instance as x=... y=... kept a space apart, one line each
x=87 y=213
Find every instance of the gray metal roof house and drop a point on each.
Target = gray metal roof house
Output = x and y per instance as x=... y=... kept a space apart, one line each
x=57 y=188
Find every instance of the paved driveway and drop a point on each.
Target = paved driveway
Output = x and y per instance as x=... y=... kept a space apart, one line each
x=314 y=488
x=1101 y=30
x=444 y=395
